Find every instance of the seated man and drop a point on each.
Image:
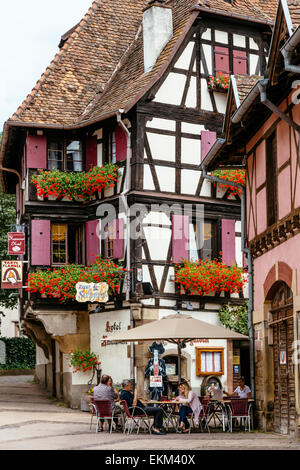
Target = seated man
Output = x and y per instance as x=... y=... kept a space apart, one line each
x=132 y=400
x=105 y=391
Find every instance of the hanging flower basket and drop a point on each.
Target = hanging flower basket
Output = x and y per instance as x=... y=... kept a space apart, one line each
x=59 y=283
x=209 y=276
x=82 y=360
x=219 y=83
x=75 y=186
x=236 y=176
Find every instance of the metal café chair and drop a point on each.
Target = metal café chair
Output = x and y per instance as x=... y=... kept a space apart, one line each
x=133 y=419
x=240 y=408
x=204 y=415
x=93 y=411
x=103 y=411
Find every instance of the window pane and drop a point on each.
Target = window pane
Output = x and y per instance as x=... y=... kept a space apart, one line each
x=55 y=159
x=59 y=235
x=217 y=359
x=203 y=369
x=109 y=241
x=74 y=155
x=207 y=251
x=209 y=362
x=193 y=245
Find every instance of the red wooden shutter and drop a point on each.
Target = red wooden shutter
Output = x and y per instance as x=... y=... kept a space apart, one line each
x=180 y=238
x=40 y=242
x=208 y=139
x=91 y=152
x=92 y=241
x=121 y=144
x=240 y=62
x=36 y=152
x=222 y=59
x=228 y=241
x=118 y=247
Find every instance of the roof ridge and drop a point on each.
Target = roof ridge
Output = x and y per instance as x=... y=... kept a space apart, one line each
x=258 y=9
x=58 y=56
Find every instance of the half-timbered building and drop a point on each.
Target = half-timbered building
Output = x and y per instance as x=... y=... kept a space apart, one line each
x=131 y=86
x=267 y=143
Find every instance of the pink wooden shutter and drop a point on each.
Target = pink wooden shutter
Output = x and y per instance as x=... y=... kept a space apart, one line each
x=222 y=59
x=180 y=238
x=40 y=242
x=92 y=241
x=228 y=241
x=91 y=152
x=208 y=139
x=36 y=152
x=121 y=144
x=118 y=225
x=240 y=62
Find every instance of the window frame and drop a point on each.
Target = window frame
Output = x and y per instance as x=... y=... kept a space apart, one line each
x=66 y=224
x=271 y=179
x=215 y=238
x=63 y=142
x=200 y=350
x=108 y=242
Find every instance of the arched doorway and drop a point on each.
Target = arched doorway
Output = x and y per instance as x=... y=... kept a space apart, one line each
x=282 y=323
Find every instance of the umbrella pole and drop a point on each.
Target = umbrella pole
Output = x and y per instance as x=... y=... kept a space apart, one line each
x=179 y=362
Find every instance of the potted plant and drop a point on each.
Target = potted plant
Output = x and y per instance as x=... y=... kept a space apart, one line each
x=236 y=176
x=219 y=82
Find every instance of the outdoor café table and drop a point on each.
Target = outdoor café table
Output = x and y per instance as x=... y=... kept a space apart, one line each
x=168 y=408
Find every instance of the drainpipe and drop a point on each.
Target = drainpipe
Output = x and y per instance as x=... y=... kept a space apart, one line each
x=125 y=202
x=250 y=266
x=287 y=52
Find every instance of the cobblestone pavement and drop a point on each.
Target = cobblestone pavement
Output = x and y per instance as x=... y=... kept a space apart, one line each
x=30 y=420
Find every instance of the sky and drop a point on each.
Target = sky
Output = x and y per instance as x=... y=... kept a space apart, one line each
x=30 y=32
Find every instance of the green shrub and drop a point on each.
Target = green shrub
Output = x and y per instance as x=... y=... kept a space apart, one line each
x=235 y=317
x=20 y=353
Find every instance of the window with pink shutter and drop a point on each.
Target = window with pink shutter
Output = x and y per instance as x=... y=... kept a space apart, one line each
x=222 y=59
x=208 y=139
x=91 y=152
x=228 y=241
x=92 y=241
x=36 y=152
x=239 y=62
x=118 y=238
x=40 y=242
x=180 y=238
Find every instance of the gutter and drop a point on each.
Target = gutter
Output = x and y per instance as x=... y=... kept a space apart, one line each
x=219 y=143
x=287 y=51
x=123 y=196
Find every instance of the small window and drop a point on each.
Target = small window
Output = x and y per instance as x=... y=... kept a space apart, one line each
x=209 y=361
x=65 y=155
x=67 y=244
x=205 y=238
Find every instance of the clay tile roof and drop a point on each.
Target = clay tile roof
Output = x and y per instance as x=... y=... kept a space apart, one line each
x=244 y=84
x=99 y=68
x=294 y=9
x=84 y=64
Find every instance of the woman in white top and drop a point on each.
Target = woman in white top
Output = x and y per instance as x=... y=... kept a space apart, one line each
x=242 y=391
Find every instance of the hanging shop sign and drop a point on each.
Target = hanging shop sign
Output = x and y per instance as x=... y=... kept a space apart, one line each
x=90 y=292
x=11 y=274
x=16 y=243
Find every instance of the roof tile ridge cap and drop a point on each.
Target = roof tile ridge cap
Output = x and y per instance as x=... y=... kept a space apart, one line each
x=118 y=67
x=53 y=63
x=208 y=7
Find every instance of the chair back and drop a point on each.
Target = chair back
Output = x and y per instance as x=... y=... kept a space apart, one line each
x=103 y=408
x=239 y=406
x=125 y=407
x=205 y=405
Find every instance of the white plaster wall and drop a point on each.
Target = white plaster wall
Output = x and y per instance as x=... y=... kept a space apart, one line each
x=165 y=124
x=162 y=146
x=207 y=34
x=158 y=240
x=40 y=356
x=166 y=178
x=114 y=360
x=206 y=189
x=184 y=60
x=191 y=98
x=148 y=179
x=191 y=151
x=253 y=44
x=189 y=181
x=7 y=327
x=221 y=36
x=253 y=63
x=191 y=128
x=165 y=94
x=221 y=100
x=239 y=40
x=205 y=96
x=208 y=59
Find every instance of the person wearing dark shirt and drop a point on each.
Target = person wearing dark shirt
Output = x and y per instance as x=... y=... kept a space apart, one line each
x=132 y=400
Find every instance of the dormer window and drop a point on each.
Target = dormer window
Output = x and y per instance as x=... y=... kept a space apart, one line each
x=65 y=155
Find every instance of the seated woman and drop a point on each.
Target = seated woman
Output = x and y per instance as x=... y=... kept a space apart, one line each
x=190 y=403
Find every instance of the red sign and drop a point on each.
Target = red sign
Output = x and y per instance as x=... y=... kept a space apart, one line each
x=16 y=243
x=11 y=274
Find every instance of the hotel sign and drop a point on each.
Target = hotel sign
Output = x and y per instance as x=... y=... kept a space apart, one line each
x=11 y=274
x=16 y=243
x=91 y=292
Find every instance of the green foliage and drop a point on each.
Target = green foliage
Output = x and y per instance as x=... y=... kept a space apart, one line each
x=83 y=360
x=235 y=317
x=8 y=298
x=20 y=353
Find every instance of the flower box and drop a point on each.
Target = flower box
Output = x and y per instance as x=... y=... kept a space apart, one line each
x=235 y=176
x=219 y=83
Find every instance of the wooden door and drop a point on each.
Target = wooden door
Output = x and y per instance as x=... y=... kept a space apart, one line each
x=284 y=380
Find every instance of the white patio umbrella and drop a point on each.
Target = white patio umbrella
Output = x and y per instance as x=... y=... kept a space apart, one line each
x=178 y=329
